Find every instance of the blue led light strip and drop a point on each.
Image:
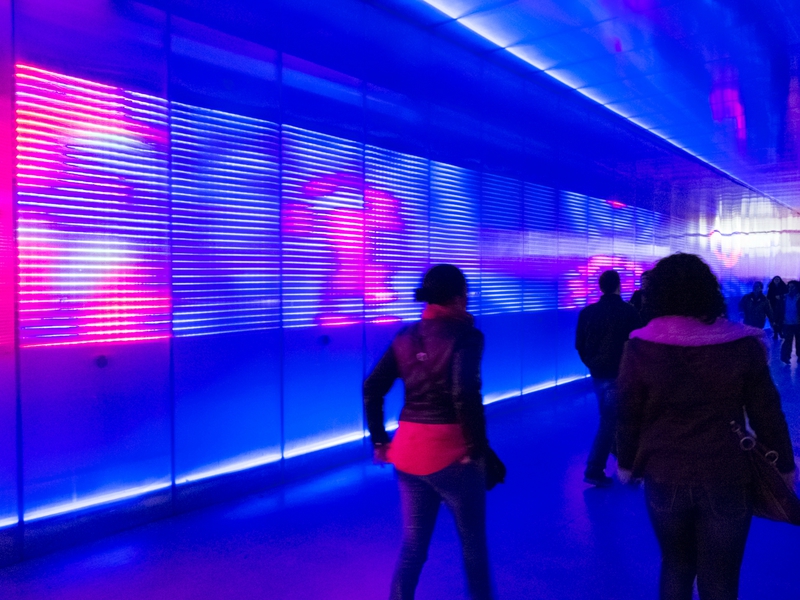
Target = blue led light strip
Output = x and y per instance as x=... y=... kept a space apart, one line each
x=93 y=500
x=226 y=242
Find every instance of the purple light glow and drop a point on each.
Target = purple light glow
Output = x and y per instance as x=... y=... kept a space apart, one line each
x=356 y=223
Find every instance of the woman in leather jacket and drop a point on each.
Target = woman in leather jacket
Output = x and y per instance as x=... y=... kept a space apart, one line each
x=440 y=443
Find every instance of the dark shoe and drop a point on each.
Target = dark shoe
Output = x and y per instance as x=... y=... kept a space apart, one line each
x=601 y=480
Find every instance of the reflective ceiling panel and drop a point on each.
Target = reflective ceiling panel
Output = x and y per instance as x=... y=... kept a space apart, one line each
x=718 y=79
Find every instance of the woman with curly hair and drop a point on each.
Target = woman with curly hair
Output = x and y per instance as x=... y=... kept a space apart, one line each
x=684 y=378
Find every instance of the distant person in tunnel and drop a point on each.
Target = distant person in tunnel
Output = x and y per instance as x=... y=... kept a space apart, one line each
x=776 y=291
x=603 y=329
x=684 y=378
x=755 y=307
x=440 y=445
x=791 y=322
x=637 y=300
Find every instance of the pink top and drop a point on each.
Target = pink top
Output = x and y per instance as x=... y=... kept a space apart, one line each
x=422 y=449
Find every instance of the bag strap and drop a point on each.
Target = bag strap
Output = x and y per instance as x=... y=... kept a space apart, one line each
x=748 y=442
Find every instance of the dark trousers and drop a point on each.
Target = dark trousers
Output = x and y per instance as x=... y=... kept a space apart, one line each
x=791 y=333
x=606 y=391
x=702 y=531
x=462 y=487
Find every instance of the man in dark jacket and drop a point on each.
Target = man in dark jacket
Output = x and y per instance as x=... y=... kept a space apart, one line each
x=603 y=329
x=755 y=307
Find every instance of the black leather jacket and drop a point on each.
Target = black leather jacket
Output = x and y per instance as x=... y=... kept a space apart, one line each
x=439 y=361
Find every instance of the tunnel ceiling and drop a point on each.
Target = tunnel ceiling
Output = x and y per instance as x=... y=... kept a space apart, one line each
x=718 y=79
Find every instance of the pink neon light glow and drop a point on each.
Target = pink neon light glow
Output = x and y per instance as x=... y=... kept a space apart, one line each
x=7 y=255
x=580 y=283
x=93 y=207
x=724 y=249
x=351 y=229
x=725 y=100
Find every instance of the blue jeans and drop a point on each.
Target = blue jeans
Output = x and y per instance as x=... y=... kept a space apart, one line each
x=462 y=487
x=702 y=531
x=606 y=391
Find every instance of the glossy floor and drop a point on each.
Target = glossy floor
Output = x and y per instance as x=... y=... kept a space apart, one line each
x=336 y=537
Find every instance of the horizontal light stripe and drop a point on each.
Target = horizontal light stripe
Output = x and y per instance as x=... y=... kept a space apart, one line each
x=92 y=501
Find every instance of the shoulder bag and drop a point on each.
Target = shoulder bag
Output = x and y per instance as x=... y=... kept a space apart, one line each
x=495 y=469
x=773 y=498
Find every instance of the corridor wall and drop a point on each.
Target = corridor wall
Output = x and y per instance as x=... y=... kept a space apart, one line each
x=220 y=214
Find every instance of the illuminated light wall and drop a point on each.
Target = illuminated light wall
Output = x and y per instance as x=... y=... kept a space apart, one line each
x=9 y=506
x=750 y=239
x=249 y=226
x=208 y=270
x=346 y=243
x=324 y=223
x=267 y=225
x=92 y=220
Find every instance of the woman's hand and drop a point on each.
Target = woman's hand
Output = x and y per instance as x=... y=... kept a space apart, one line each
x=379 y=455
x=624 y=475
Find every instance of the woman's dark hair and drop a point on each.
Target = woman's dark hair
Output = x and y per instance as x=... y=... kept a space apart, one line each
x=683 y=285
x=442 y=284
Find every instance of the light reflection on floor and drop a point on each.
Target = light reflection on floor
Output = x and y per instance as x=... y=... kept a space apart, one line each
x=335 y=537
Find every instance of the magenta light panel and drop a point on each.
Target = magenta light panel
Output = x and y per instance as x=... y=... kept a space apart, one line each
x=225 y=211
x=396 y=243
x=92 y=175
x=323 y=229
